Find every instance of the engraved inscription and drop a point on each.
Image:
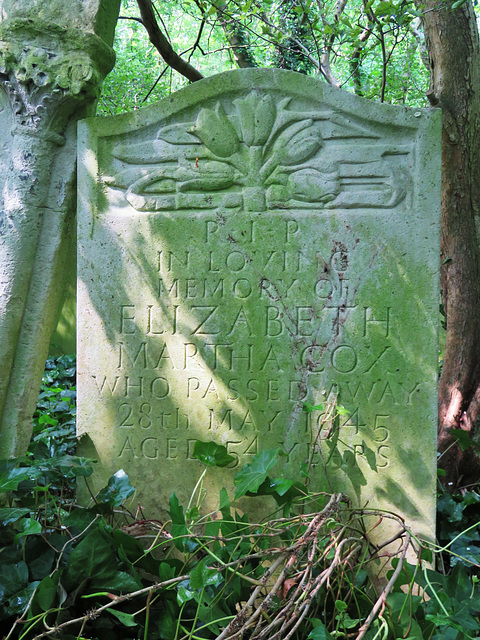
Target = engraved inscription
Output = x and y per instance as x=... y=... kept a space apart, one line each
x=198 y=352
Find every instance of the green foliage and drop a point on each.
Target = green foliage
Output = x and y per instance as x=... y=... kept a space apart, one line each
x=212 y=454
x=137 y=68
x=140 y=75
x=54 y=418
x=458 y=529
x=80 y=575
x=375 y=49
x=290 y=52
x=249 y=479
x=118 y=489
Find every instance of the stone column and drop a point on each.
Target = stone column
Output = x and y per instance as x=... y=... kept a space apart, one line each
x=53 y=58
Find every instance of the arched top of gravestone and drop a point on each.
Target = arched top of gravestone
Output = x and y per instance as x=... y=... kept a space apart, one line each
x=261 y=139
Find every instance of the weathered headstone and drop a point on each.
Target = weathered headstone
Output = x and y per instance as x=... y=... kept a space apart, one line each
x=255 y=242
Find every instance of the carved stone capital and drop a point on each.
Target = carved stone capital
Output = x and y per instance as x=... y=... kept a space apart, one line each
x=49 y=72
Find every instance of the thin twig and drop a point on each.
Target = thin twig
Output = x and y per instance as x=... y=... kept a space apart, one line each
x=383 y=596
x=94 y=613
x=131 y=18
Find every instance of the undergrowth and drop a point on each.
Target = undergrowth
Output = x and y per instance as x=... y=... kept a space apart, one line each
x=104 y=573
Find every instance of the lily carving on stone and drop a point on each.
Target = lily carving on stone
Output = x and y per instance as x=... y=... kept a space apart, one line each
x=256 y=154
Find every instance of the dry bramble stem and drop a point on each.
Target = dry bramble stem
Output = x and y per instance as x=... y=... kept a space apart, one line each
x=242 y=621
x=383 y=596
x=282 y=598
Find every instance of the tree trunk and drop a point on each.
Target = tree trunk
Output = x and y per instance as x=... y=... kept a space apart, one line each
x=236 y=37
x=50 y=76
x=454 y=52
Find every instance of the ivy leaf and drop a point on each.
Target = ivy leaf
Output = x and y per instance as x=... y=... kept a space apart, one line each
x=203 y=576
x=165 y=572
x=9 y=515
x=113 y=580
x=185 y=593
x=463 y=438
x=93 y=555
x=75 y=466
x=319 y=632
x=341 y=411
x=254 y=474
x=14 y=578
x=117 y=490
x=40 y=558
x=16 y=603
x=224 y=500
x=341 y=606
x=467 y=551
x=167 y=621
x=45 y=594
x=176 y=510
x=9 y=480
x=30 y=527
x=127 y=619
x=281 y=485
x=212 y=454
x=179 y=528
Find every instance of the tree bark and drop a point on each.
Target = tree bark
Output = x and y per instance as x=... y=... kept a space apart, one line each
x=50 y=76
x=454 y=52
x=236 y=38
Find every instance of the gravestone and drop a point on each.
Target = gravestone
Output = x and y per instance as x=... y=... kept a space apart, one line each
x=258 y=244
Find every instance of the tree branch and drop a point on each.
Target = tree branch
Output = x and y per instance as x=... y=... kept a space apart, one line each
x=356 y=60
x=325 y=64
x=162 y=45
x=197 y=41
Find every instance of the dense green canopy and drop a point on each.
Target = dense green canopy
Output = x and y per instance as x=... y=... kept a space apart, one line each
x=373 y=49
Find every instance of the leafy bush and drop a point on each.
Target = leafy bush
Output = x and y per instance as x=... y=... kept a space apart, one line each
x=54 y=419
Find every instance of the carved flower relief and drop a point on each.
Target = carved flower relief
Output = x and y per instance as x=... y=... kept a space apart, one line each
x=147 y=189
x=268 y=152
x=76 y=74
x=311 y=184
x=305 y=185
x=259 y=149
x=257 y=117
x=216 y=132
x=298 y=143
